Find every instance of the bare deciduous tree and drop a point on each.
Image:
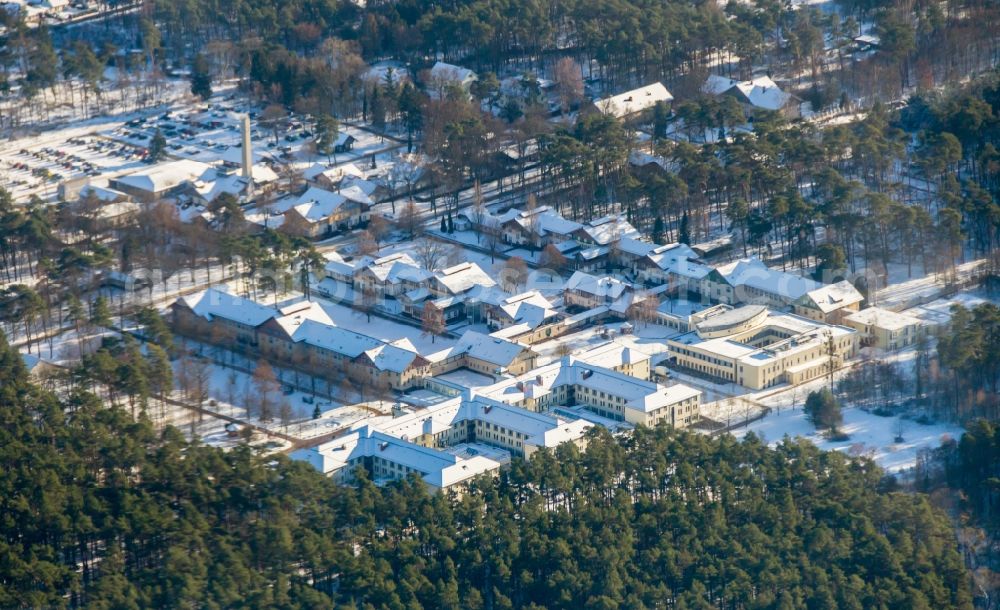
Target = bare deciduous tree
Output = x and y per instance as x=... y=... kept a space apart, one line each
x=432 y=320
x=514 y=274
x=408 y=220
x=266 y=386
x=430 y=252
x=569 y=82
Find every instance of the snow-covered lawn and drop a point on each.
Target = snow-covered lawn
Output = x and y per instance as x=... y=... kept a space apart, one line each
x=230 y=391
x=870 y=435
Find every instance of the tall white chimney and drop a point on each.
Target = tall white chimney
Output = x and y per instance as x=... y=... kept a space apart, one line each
x=247 y=148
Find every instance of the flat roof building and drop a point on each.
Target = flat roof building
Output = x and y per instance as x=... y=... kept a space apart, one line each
x=756 y=348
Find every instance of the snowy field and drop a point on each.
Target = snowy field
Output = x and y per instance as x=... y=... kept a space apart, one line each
x=870 y=435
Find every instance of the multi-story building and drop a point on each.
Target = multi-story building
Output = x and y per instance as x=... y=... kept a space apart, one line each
x=588 y=291
x=453 y=442
x=611 y=394
x=619 y=358
x=756 y=348
x=319 y=212
x=829 y=303
x=300 y=336
x=486 y=354
x=886 y=329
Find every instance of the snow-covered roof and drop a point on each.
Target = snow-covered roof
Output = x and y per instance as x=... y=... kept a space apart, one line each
x=883 y=318
x=543 y=220
x=102 y=193
x=118 y=209
x=215 y=303
x=608 y=288
x=679 y=259
x=529 y=314
x=234 y=156
x=262 y=173
x=391 y=358
x=333 y=174
x=494 y=350
x=384 y=72
x=636 y=393
x=337 y=266
x=612 y=354
x=528 y=308
x=396 y=268
x=293 y=316
x=355 y=194
x=727 y=319
x=403 y=272
x=334 y=338
x=722 y=346
x=552 y=223
x=754 y=273
x=832 y=297
x=532 y=425
x=316 y=204
x=442 y=71
x=717 y=84
x=636 y=100
x=459 y=278
x=441 y=469
x=801 y=335
x=663 y=397
x=636 y=247
x=515 y=86
x=365 y=186
x=607 y=229
x=232 y=184
x=31 y=361
x=761 y=92
x=167 y=175
x=642 y=159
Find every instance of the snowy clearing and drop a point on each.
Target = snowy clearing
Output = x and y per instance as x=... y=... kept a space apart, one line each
x=870 y=435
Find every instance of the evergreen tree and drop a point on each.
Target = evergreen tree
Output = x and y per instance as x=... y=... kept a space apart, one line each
x=100 y=313
x=823 y=409
x=157 y=146
x=684 y=231
x=201 y=77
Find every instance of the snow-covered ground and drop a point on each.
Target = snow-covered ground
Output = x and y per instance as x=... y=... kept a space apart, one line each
x=231 y=393
x=870 y=435
x=65 y=348
x=921 y=289
x=938 y=311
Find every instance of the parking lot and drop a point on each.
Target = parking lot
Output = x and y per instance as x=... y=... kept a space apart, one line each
x=206 y=132
x=39 y=169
